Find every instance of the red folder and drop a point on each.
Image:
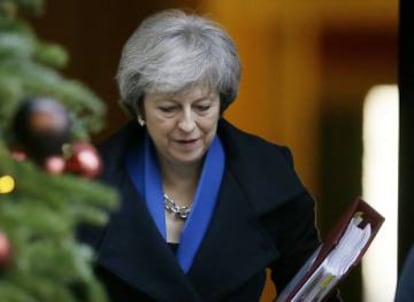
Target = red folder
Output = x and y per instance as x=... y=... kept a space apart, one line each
x=316 y=278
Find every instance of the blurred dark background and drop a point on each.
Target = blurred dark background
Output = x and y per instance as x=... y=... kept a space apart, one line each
x=406 y=159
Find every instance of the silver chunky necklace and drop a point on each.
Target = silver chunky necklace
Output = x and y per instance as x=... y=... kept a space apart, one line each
x=172 y=207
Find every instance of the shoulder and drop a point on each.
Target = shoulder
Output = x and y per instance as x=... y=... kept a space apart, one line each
x=120 y=139
x=240 y=143
x=264 y=170
x=113 y=149
x=112 y=152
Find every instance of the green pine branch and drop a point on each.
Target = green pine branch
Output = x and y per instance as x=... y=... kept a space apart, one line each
x=41 y=215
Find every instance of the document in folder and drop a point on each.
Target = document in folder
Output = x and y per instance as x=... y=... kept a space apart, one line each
x=336 y=256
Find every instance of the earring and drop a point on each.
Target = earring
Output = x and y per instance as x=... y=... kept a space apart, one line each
x=141 y=121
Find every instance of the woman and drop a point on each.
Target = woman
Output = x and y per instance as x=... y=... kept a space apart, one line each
x=206 y=208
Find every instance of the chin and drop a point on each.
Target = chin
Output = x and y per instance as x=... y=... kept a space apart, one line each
x=188 y=161
x=188 y=158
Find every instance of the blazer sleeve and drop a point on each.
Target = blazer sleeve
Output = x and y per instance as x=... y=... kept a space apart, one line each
x=293 y=228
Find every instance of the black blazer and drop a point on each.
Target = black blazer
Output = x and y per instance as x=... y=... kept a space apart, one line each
x=264 y=217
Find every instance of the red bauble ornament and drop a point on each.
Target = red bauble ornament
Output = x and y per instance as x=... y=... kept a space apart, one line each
x=18 y=155
x=41 y=127
x=54 y=164
x=5 y=250
x=84 y=160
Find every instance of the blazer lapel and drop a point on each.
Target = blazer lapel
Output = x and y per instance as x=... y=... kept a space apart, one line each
x=235 y=247
x=134 y=250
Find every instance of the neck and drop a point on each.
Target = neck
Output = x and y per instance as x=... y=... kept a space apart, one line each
x=180 y=181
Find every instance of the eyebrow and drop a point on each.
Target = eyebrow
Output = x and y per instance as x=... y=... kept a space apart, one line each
x=203 y=98
x=196 y=100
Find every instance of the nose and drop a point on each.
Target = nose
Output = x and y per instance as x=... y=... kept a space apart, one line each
x=187 y=122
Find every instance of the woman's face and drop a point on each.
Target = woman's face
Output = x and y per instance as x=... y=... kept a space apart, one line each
x=182 y=126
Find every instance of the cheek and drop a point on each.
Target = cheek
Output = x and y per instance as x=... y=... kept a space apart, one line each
x=209 y=123
x=158 y=129
x=210 y=127
x=213 y=120
x=157 y=121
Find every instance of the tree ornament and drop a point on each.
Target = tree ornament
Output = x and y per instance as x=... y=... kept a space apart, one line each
x=18 y=155
x=42 y=126
x=83 y=159
x=5 y=250
x=54 y=164
x=7 y=184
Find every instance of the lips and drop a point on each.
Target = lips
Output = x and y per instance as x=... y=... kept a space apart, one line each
x=187 y=144
x=187 y=141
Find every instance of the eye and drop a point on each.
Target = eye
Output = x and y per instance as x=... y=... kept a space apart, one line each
x=203 y=107
x=168 y=109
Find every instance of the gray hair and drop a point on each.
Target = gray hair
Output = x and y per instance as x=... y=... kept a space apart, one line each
x=172 y=51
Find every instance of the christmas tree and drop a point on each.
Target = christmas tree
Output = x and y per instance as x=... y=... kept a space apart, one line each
x=45 y=192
